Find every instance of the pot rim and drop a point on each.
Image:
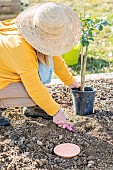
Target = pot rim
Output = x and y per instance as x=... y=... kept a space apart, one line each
x=94 y=90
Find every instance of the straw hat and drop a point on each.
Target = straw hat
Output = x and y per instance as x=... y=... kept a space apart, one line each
x=51 y=28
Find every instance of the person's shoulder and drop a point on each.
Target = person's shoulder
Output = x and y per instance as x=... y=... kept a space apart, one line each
x=8 y=23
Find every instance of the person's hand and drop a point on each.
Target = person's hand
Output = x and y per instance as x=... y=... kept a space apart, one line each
x=75 y=85
x=60 y=119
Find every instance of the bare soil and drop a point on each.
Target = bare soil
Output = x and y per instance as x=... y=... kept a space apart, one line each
x=28 y=143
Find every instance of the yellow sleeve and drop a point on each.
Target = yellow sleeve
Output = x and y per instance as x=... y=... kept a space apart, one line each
x=62 y=71
x=28 y=71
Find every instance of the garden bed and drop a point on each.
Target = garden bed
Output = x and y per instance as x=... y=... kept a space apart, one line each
x=28 y=143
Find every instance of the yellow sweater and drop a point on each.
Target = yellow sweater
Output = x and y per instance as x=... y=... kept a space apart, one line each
x=18 y=62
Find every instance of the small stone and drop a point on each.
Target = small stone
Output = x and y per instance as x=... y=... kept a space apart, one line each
x=39 y=143
x=75 y=158
x=111 y=117
x=56 y=167
x=39 y=162
x=34 y=138
x=21 y=141
x=10 y=167
x=74 y=135
x=25 y=154
x=27 y=149
x=3 y=160
x=44 y=161
x=90 y=158
x=12 y=143
x=79 y=163
x=60 y=137
x=47 y=143
x=84 y=162
x=35 y=163
x=45 y=148
x=90 y=163
x=57 y=160
x=52 y=166
x=27 y=168
x=75 y=166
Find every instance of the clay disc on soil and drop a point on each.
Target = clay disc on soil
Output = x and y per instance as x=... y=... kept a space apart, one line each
x=67 y=150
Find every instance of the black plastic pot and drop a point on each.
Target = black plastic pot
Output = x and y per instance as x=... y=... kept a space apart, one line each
x=83 y=101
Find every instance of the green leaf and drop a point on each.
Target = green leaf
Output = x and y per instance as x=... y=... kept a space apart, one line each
x=85 y=32
x=90 y=22
x=88 y=19
x=84 y=43
x=91 y=29
x=105 y=23
x=92 y=39
x=90 y=33
x=99 y=27
x=83 y=38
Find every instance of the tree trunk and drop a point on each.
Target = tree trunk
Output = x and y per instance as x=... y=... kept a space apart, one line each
x=83 y=67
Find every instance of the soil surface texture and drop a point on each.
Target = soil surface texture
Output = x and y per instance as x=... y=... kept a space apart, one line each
x=28 y=143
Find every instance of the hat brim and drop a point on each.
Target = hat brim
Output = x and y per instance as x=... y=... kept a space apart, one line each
x=42 y=42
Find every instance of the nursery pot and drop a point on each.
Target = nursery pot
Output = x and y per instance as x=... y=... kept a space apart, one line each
x=83 y=101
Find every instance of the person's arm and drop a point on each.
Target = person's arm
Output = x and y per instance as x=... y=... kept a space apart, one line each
x=62 y=71
x=38 y=92
x=27 y=67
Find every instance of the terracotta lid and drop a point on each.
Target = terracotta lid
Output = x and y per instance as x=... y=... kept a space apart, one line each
x=67 y=150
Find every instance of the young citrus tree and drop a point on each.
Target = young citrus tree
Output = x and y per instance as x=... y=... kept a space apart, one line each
x=90 y=28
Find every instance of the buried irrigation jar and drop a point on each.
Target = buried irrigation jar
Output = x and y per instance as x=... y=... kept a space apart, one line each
x=83 y=98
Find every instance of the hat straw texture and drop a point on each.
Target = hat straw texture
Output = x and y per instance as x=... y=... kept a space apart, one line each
x=51 y=28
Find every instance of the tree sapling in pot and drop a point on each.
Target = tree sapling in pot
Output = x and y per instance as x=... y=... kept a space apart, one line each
x=83 y=98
